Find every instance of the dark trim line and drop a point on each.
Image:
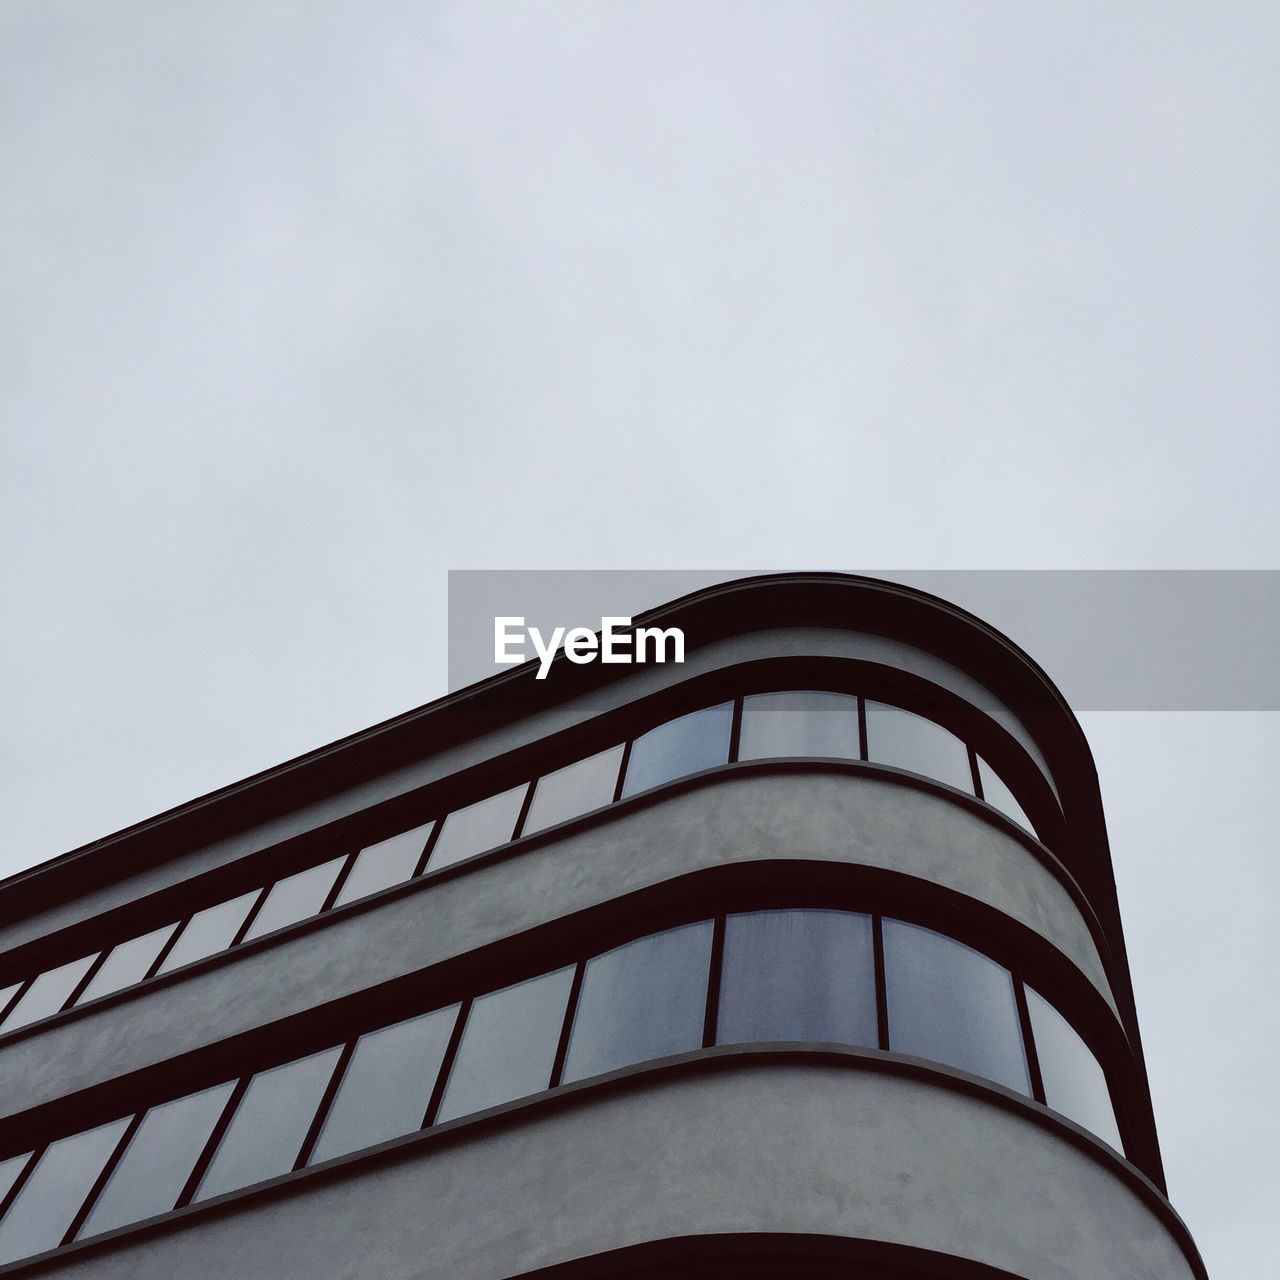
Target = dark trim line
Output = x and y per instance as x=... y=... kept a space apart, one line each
x=735 y=729
x=336 y=887
x=247 y=923
x=566 y=1026
x=214 y=1141
x=100 y=1182
x=336 y=1078
x=460 y=1021
x=882 y=984
x=1033 y=1053
x=711 y=1018
x=525 y=805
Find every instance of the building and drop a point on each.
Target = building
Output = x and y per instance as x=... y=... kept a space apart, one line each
x=800 y=958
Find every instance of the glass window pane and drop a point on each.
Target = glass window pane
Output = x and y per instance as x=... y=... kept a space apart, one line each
x=952 y=1004
x=9 y=1170
x=296 y=897
x=209 y=931
x=686 y=745
x=158 y=1160
x=381 y=865
x=51 y=1197
x=268 y=1128
x=640 y=1001
x=48 y=993
x=480 y=826
x=908 y=741
x=509 y=1044
x=387 y=1084
x=6 y=995
x=577 y=788
x=798 y=975
x=1074 y=1081
x=799 y=724
x=128 y=963
x=995 y=793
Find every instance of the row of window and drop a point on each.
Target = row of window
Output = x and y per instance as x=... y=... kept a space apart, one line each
x=773 y=725
x=783 y=975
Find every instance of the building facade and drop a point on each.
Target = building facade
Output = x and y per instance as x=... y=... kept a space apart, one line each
x=802 y=957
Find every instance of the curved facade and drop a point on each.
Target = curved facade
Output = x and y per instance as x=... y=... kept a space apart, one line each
x=800 y=956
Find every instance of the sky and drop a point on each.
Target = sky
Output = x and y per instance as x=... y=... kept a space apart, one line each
x=303 y=305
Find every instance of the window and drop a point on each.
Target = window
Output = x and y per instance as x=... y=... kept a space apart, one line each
x=996 y=794
x=209 y=931
x=379 y=866
x=908 y=741
x=129 y=962
x=158 y=1160
x=1074 y=1082
x=295 y=898
x=798 y=975
x=48 y=993
x=9 y=1170
x=51 y=1197
x=799 y=724
x=480 y=826
x=387 y=1084
x=577 y=788
x=699 y=740
x=509 y=1044
x=642 y=1000
x=952 y=1004
x=266 y=1133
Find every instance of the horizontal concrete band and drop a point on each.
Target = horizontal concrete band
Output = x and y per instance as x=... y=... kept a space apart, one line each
x=808 y=815
x=777 y=1145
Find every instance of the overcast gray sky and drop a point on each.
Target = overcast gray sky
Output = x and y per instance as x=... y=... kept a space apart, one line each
x=304 y=304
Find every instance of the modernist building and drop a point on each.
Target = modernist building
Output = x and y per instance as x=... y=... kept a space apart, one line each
x=800 y=958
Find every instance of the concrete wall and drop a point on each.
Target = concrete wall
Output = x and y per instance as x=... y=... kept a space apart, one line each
x=789 y=1147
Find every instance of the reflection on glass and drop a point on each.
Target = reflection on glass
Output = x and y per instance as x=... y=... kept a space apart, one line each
x=158 y=1161
x=799 y=724
x=6 y=995
x=381 y=865
x=577 y=788
x=128 y=963
x=387 y=1084
x=296 y=897
x=798 y=975
x=908 y=741
x=952 y=1004
x=509 y=1044
x=640 y=1001
x=480 y=826
x=209 y=931
x=51 y=1197
x=9 y=1170
x=48 y=993
x=1074 y=1082
x=686 y=745
x=996 y=794
x=267 y=1131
